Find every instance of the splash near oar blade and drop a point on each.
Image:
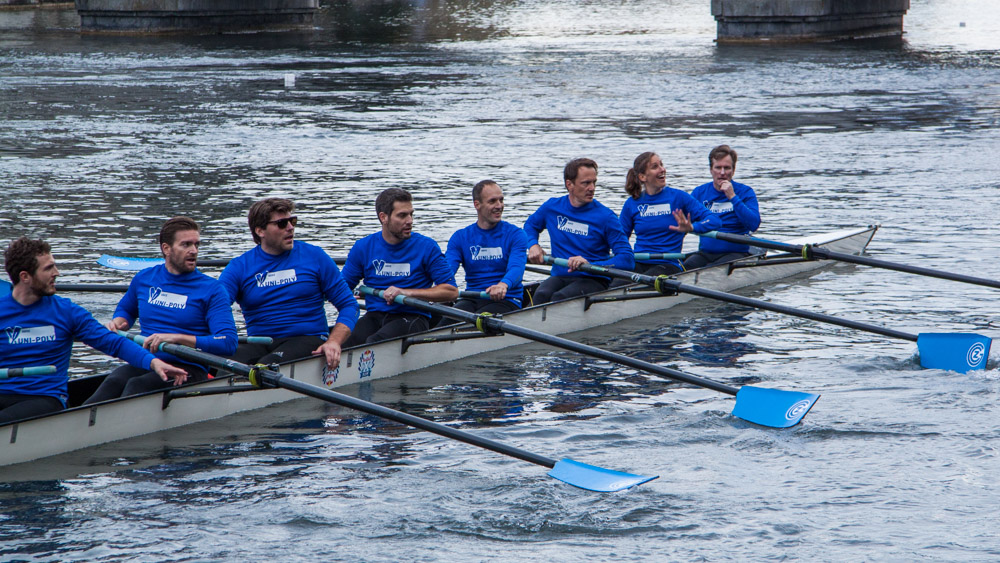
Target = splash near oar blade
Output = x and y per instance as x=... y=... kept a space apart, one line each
x=961 y=352
x=773 y=407
x=597 y=479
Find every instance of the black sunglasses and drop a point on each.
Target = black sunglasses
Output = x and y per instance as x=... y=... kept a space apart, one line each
x=282 y=223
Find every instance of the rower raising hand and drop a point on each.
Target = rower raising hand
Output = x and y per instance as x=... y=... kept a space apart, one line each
x=683 y=221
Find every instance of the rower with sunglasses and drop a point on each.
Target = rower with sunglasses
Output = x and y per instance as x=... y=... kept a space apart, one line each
x=281 y=285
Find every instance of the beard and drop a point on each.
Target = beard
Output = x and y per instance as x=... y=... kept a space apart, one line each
x=181 y=265
x=43 y=289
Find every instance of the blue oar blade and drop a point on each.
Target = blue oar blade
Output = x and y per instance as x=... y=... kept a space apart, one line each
x=5 y=287
x=772 y=407
x=593 y=478
x=124 y=263
x=961 y=352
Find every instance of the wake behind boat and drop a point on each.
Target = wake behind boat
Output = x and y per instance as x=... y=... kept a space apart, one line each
x=80 y=427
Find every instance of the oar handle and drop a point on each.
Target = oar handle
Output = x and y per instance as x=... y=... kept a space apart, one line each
x=811 y=252
x=260 y=376
x=256 y=339
x=493 y=325
x=474 y=295
x=28 y=371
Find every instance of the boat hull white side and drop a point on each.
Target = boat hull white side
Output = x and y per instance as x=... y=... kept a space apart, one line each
x=83 y=427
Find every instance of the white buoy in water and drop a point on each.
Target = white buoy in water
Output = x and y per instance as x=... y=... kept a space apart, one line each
x=289 y=81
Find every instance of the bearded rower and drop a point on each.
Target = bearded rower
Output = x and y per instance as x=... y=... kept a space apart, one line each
x=39 y=328
x=176 y=304
x=281 y=285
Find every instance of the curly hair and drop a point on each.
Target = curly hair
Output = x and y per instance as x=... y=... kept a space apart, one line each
x=22 y=256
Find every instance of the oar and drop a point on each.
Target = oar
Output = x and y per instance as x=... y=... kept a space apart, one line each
x=961 y=352
x=768 y=407
x=660 y=256
x=812 y=252
x=582 y=475
x=474 y=294
x=34 y=370
x=135 y=264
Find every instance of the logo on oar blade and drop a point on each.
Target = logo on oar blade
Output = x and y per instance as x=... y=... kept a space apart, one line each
x=798 y=409
x=975 y=354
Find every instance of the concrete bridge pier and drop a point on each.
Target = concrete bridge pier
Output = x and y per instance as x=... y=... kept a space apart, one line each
x=751 y=21
x=199 y=16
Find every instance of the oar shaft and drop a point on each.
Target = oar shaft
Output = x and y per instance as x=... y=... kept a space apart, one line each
x=811 y=251
x=92 y=287
x=278 y=380
x=474 y=295
x=785 y=310
x=499 y=325
x=662 y=284
x=403 y=418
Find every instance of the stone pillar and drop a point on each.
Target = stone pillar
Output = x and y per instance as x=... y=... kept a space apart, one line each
x=748 y=21
x=199 y=16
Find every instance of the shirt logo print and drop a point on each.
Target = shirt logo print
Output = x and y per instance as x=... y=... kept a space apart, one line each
x=166 y=299
x=488 y=253
x=271 y=279
x=31 y=335
x=389 y=269
x=719 y=206
x=646 y=210
x=572 y=227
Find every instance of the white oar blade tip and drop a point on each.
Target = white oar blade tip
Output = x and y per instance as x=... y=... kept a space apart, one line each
x=775 y=408
x=959 y=352
x=597 y=479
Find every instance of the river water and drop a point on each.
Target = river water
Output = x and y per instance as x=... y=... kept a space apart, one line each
x=104 y=138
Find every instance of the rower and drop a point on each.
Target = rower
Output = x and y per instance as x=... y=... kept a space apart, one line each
x=492 y=252
x=39 y=329
x=281 y=285
x=400 y=262
x=582 y=230
x=734 y=203
x=660 y=216
x=177 y=304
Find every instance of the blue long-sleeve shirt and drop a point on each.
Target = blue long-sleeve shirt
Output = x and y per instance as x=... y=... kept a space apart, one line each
x=739 y=215
x=591 y=231
x=651 y=217
x=283 y=295
x=414 y=263
x=490 y=257
x=190 y=303
x=42 y=334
